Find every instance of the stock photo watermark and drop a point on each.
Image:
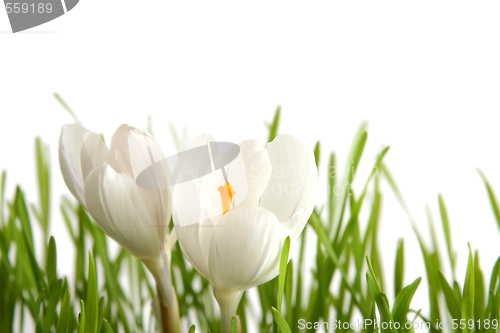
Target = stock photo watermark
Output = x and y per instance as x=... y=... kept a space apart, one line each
x=26 y=14
x=416 y=325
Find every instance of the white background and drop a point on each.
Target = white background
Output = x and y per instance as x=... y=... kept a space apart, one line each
x=425 y=74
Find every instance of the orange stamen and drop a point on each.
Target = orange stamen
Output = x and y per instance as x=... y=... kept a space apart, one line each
x=226 y=196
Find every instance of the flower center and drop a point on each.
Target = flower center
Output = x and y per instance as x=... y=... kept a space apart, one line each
x=226 y=196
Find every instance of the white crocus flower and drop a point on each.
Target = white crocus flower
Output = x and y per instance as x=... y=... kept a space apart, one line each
x=238 y=246
x=104 y=182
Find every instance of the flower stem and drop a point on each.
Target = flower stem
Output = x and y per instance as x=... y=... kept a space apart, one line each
x=169 y=308
x=228 y=303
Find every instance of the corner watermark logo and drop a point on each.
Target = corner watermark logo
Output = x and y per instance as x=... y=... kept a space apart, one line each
x=26 y=14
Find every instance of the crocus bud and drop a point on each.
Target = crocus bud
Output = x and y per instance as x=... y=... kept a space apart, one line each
x=105 y=184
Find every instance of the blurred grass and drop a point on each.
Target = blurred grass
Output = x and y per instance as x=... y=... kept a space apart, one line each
x=32 y=290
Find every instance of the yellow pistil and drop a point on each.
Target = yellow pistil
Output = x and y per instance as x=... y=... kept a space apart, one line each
x=226 y=196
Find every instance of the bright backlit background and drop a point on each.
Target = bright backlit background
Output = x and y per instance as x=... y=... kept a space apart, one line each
x=424 y=74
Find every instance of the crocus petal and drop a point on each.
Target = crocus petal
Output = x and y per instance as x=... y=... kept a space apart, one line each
x=136 y=218
x=293 y=180
x=296 y=223
x=93 y=153
x=258 y=171
x=244 y=247
x=133 y=150
x=195 y=241
x=70 y=144
x=192 y=225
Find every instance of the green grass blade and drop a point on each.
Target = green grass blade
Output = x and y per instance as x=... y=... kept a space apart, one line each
x=373 y=284
x=92 y=301
x=21 y=212
x=430 y=260
x=2 y=197
x=323 y=238
x=395 y=189
x=399 y=268
x=289 y=291
x=43 y=173
x=50 y=310
x=66 y=106
x=51 y=262
x=468 y=292
x=317 y=153
x=452 y=303
x=492 y=309
x=280 y=321
x=64 y=314
x=479 y=290
x=81 y=318
x=273 y=128
x=267 y=329
x=385 y=313
x=355 y=156
x=380 y=298
x=283 y=269
x=374 y=172
x=493 y=199
x=403 y=301
x=234 y=325
x=332 y=175
x=447 y=233
x=106 y=327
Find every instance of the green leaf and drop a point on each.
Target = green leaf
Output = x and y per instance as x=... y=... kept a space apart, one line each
x=66 y=106
x=452 y=303
x=385 y=313
x=493 y=200
x=447 y=233
x=51 y=262
x=280 y=321
x=2 y=196
x=399 y=268
x=234 y=325
x=22 y=214
x=92 y=302
x=479 y=297
x=431 y=267
x=395 y=189
x=374 y=172
x=380 y=298
x=370 y=327
x=403 y=301
x=332 y=174
x=106 y=327
x=43 y=173
x=359 y=147
x=192 y=329
x=50 y=310
x=323 y=238
x=289 y=291
x=273 y=128
x=468 y=293
x=81 y=318
x=267 y=329
x=317 y=153
x=373 y=285
x=283 y=268
x=64 y=314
